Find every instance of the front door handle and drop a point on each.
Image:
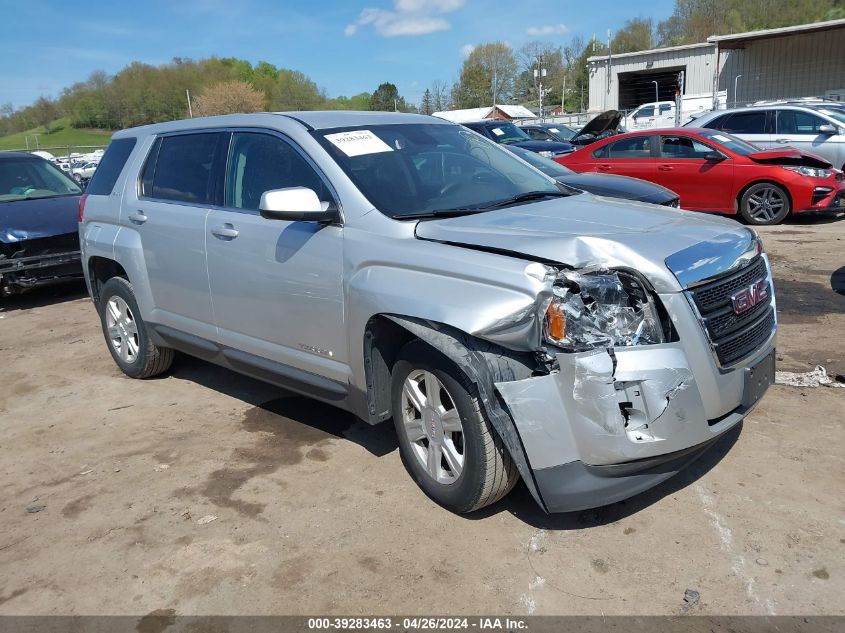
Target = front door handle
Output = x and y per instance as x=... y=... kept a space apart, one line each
x=782 y=140
x=665 y=167
x=604 y=168
x=137 y=217
x=225 y=232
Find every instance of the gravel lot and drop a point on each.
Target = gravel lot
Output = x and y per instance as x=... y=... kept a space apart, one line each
x=205 y=492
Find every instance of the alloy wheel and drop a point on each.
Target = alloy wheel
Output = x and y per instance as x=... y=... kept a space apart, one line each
x=432 y=425
x=765 y=204
x=122 y=329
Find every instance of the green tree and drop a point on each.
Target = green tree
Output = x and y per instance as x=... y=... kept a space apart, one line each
x=386 y=98
x=487 y=76
x=426 y=105
x=636 y=35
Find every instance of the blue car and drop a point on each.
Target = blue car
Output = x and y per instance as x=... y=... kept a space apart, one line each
x=39 y=211
x=507 y=133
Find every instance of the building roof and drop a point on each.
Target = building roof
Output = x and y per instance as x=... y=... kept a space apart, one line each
x=735 y=40
x=477 y=114
x=738 y=40
x=463 y=116
x=651 y=51
x=517 y=111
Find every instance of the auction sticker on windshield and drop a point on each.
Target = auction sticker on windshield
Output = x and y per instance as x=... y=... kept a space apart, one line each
x=358 y=143
x=498 y=131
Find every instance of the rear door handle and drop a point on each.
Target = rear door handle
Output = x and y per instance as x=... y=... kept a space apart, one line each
x=137 y=217
x=783 y=140
x=604 y=167
x=225 y=232
x=665 y=167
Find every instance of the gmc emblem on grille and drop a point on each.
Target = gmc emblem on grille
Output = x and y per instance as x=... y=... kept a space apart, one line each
x=749 y=297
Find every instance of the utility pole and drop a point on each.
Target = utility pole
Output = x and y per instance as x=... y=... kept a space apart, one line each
x=679 y=99
x=539 y=74
x=493 y=87
x=190 y=109
x=563 y=95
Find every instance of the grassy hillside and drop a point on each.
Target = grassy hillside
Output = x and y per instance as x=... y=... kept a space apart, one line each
x=59 y=134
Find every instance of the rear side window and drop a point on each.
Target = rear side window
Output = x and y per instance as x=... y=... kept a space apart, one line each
x=746 y=123
x=112 y=163
x=183 y=168
x=717 y=123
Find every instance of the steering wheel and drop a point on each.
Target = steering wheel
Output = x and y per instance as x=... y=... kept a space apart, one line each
x=450 y=188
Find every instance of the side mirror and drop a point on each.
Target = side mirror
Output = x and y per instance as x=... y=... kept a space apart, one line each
x=828 y=129
x=296 y=204
x=714 y=157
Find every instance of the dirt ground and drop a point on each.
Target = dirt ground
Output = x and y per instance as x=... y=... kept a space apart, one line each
x=109 y=485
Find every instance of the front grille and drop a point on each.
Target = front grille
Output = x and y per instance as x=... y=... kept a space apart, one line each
x=735 y=336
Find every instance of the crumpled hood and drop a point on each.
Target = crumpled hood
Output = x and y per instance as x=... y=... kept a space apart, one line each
x=22 y=220
x=789 y=156
x=581 y=231
x=615 y=186
x=607 y=120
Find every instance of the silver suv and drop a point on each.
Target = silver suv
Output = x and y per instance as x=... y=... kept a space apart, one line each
x=403 y=267
x=813 y=127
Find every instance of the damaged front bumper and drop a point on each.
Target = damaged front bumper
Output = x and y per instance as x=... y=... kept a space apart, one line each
x=614 y=422
x=18 y=274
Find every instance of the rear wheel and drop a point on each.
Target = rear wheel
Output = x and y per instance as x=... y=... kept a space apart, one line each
x=765 y=203
x=446 y=442
x=126 y=333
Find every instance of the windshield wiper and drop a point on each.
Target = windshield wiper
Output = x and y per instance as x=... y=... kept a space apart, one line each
x=526 y=197
x=439 y=213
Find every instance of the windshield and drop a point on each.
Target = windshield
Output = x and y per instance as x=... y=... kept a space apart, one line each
x=507 y=133
x=835 y=113
x=420 y=168
x=27 y=178
x=729 y=141
x=545 y=165
x=563 y=133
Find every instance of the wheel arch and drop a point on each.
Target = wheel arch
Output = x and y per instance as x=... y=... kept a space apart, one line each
x=483 y=362
x=763 y=181
x=100 y=270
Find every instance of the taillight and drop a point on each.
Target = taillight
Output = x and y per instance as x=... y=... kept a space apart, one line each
x=82 y=200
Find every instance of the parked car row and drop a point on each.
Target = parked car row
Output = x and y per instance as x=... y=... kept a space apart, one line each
x=405 y=268
x=715 y=171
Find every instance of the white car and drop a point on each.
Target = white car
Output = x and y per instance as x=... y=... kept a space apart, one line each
x=81 y=174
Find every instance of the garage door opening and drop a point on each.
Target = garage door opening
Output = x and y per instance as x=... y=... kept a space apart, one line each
x=638 y=88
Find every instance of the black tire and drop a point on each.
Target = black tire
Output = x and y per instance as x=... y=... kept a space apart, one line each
x=765 y=203
x=488 y=472
x=150 y=359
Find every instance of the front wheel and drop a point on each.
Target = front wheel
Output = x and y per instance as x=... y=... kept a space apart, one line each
x=126 y=333
x=765 y=203
x=446 y=441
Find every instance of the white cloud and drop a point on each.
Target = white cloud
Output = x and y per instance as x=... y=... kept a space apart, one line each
x=547 y=29
x=466 y=49
x=408 y=17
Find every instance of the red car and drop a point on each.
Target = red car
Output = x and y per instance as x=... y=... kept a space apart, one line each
x=715 y=171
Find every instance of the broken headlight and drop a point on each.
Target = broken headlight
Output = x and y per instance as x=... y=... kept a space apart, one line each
x=601 y=309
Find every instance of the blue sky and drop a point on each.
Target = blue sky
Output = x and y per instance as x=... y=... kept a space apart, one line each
x=345 y=46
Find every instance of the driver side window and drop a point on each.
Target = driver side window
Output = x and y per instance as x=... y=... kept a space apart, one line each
x=261 y=162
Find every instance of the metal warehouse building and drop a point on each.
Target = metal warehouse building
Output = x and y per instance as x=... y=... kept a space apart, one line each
x=798 y=61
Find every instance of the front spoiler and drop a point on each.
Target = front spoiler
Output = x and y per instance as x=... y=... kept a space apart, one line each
x=578 y=486
x=36 y=270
